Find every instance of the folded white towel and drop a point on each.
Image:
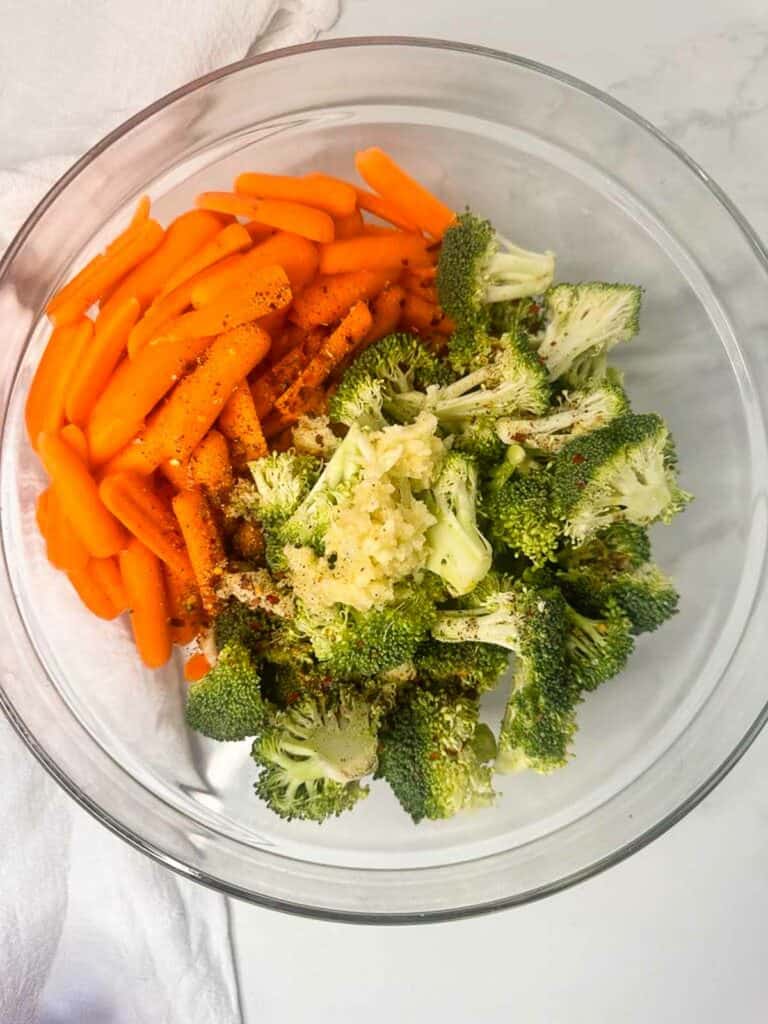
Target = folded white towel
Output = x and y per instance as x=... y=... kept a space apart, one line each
x=90 y=930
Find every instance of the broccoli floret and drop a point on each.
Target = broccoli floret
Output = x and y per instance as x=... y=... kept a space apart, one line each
x=458 y=552
x=351 y=644
x=285 y=645
x=579 y=412
x=484 y=743
x=584 y=322
x=427 y=755
x=519 y=515
x=477 y=267
x=624 y=471
x=534 y=734
x=236 y=623
x=282 y=480
x=619 y=548
x=645 y=595
x=478 y=437
x=386 y=380
x=226 y=704
x=512 y=380
x=523 y=318
x=597 y=648
x=464 y=666
x=313 y=754
x=285 y=684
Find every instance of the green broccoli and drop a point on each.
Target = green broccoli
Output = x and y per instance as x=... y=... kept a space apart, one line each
x=623 y=471
x=477 y=268
x=645 y=595
x=351 y=644
x=237 y=623
x=473 y=667
x=282 y=480
x=579 y=412
x=387 y=380
x=619 y=548
x=597 y=648
x=314 y=753
x=518 y=513
x=227 y=704
x=584 y=322
x=534 y=733
x=428 y=755
x=523 y=318
x=458 y=552
x=285 y=684
x=478 y=437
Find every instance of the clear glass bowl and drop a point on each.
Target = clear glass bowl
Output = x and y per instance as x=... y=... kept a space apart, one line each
x=557 y=165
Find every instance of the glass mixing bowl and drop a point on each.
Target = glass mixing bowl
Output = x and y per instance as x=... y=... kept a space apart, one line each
x=556 y=165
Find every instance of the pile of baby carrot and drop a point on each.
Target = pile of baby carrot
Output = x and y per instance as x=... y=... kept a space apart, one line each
x=179 y=354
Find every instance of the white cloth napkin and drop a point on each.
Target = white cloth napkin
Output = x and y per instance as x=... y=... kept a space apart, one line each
x=90 y=930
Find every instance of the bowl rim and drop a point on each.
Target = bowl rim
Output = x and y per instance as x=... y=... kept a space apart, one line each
x=181 y=867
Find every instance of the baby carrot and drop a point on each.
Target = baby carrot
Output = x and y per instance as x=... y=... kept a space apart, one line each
x=275 y=213
x=100 y=358
x=92 y=594
x=350 y=332
x=44 y=410
x=421 y=316
x=396 y=248
x=105 y=573
x=184 y=605
x=383 y=175
x=76 y=440
x=269 y=385
x=183 y=237
x=258 y=232
x=196 y=667
x=384 y=210
x=78 y=495
x=318 y=190
x=177 y=473
x=327 y=299
x=64 y=548
x=134 y=502
x=252 y=295
x=385 y=310
x=420 y=285
x=233 y=238
x=204 y=544
x=313 y=402
x=43 y=511
x=241 y=425
x=176 y=429
x=141 y=213
x=350 y=226
x=210 y=466
x=106 y=270
x=135 y=387
x=297 y=256
x=145 y=587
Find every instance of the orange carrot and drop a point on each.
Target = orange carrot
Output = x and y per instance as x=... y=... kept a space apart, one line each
x=135 y=503
x=44 y=410
x=184 y=236
x=383 y=175
x=421 y=316
x=145 y=587
x=209 y=464
x=241 y=425
x=266 y=388
x=258 y=232
x=79 y=499
x=141 y=213
x=177 y=473
x=385 y=309
x=288 y=338
x=233 y=238
x=43 y=511
x=384 y=210
x=64 y=548
x=92 y=594
x=381 y=231
x=176 y=429
x=350 y=332
x=111 y=267
x=204 y=544
x=100 y=358
x=105 y=573
x=313 y=401
x=184 y=605
x=75 y=438
x=252 y=295
x=276 y=213
x=297 y=256
x=196 y=667
x=273 y=322
x=420 y=285
x=135 y=387
x=350 y=226
x=328 y=299
x=396 y=248
x=169 y=306
x=318 y=190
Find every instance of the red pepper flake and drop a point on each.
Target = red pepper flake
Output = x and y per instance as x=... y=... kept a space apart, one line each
x=272 y=599
x=577 y=459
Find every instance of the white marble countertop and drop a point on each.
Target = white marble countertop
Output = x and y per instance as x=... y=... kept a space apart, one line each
x=677 y=933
